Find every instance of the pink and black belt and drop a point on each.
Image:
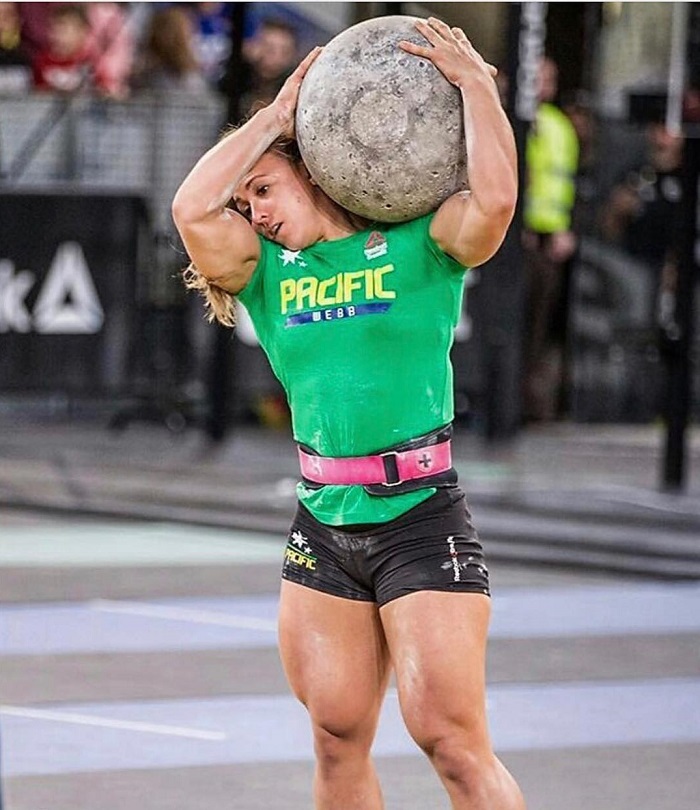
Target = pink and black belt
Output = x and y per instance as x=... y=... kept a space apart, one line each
x=387 y=468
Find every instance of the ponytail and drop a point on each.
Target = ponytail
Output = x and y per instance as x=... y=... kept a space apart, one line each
x=220 y=305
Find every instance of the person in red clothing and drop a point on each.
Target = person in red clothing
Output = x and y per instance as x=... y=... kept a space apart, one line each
x=112 y=45
x=65 y=64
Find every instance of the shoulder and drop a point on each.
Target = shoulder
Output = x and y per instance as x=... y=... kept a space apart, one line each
x=416 y=229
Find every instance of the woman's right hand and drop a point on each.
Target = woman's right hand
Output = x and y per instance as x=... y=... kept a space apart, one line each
x=450 y=51
x=285 y=103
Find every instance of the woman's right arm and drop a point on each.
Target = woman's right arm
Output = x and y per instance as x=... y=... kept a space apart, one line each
x=220 y=242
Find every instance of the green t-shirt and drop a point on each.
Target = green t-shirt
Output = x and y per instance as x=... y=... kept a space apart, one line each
x=358 y=330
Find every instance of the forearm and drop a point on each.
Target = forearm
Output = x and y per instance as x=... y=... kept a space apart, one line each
x=490 y=144
x=471 y=226
x=210 y=184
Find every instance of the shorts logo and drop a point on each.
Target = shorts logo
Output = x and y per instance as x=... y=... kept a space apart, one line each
x=453 y=559
x=375 y=246
x=299 y=552
x=458 y=567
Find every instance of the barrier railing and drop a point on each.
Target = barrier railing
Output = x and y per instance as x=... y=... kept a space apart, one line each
x=145 y=145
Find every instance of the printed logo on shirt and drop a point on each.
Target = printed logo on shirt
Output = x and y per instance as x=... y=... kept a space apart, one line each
x=290 y=257
x=375 y=246
x=344 y=295
x=298 y=551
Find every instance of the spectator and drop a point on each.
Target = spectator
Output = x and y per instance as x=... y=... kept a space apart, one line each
x=15 y=65
x=64 y=64
x=268 y=59
x=212 y=39
x=641 y=216
x=111 y=45
x=640 y=212
x=35 y=25
x=552 y=155
x=168 y=61
x=578 y=106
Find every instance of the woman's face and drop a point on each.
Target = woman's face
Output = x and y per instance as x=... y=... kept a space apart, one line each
x=277 y=198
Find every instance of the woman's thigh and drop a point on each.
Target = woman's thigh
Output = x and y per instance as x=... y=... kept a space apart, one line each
x=334 y=654
x=437 y=643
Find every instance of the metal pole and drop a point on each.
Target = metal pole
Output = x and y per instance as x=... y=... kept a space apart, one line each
x=678 y=346
x=676 y=72
x=679 y=350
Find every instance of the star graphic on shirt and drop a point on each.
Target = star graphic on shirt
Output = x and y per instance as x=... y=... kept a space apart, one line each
x=290 y=257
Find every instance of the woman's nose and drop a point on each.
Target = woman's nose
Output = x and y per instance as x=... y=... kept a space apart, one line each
x=258 y=215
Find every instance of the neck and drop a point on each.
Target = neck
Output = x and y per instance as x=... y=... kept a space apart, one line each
x=335 y=221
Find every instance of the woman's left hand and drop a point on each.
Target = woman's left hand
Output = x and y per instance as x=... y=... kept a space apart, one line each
x=285 y=103
x=450 y=51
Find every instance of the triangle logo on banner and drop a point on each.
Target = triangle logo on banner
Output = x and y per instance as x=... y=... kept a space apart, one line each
x=68 y=303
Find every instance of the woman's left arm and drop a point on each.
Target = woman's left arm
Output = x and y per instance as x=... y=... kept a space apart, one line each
x=471 y=225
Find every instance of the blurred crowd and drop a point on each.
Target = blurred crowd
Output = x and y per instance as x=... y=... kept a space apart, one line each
x=578 y=183
x=119 y=50
x=623 y=198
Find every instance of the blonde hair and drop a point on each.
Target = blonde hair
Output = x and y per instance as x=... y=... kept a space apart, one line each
x=219 y=304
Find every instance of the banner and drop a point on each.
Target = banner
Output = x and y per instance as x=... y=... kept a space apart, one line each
x=68 y=278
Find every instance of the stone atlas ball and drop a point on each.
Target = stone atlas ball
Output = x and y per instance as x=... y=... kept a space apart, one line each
x=381 y=130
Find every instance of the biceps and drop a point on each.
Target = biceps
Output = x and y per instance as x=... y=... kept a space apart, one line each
x=225 y=250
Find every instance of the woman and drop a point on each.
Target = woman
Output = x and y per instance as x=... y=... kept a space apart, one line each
x=382 y=567
x=168 y=63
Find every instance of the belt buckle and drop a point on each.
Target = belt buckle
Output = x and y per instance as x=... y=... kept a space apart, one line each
x=391 y=469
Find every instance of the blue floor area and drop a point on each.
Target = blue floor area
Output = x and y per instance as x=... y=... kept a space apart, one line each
x=176 y=624
x=69 y=738
x=181 y=733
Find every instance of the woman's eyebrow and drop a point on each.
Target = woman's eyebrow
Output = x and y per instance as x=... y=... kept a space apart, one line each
x=250 y=181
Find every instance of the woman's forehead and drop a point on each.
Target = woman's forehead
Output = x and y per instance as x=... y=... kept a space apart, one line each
x=269 y=164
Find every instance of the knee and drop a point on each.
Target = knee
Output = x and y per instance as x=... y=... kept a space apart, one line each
x=459 y=756
x=458 y=760
x=335 y=746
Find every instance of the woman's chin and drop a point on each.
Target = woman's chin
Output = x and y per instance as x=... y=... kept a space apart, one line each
x=291 y=243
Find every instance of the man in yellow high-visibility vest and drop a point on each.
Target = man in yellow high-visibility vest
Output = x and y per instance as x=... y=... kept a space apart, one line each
x=552 y=155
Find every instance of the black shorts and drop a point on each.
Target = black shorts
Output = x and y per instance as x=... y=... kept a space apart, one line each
x=432 y=547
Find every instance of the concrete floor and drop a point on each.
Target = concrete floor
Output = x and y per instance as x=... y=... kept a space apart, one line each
x=138 y=669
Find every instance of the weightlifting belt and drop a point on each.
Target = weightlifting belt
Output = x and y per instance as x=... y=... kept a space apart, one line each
x=389 y=468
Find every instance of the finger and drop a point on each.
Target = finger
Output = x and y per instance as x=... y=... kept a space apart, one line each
x=439 y=26
x=312 y=55
x=416 y=50
x=493 y=71
x=308 y=60
x=428 y=32
x=460 y=36
x=299 y=74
